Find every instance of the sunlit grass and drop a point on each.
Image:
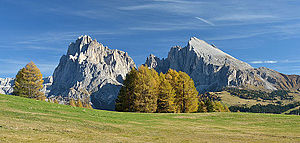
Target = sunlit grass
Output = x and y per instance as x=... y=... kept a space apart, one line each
x=27 y=120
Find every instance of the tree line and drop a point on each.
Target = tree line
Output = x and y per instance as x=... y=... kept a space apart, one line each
x=144 y=90
x=258 y=94
x=269 y=108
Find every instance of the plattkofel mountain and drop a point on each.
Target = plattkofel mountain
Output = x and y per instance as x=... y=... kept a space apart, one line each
x=212 y=69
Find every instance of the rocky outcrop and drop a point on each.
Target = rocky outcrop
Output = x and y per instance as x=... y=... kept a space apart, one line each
x=91 y=70
x=47 y=85
x=279 y=80
x=6 y=85
x=212 y=69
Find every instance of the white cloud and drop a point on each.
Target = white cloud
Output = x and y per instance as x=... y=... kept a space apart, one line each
x=170 y=26
x=12 y=66
x=13 y=61
x=243 y=17
x=240 y=35
x=140 y=7
x=287 y=61
x=264 y=62
x=205 y=21
x=178 y=1
x=178 y=7
x=37 y=41
x=290 y=61
x=161 y=28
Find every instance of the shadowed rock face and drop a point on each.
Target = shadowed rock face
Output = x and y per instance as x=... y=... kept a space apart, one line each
x=90 y=69
x=212 y=69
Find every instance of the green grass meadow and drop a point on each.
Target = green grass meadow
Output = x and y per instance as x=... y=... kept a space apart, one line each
x=28 y=120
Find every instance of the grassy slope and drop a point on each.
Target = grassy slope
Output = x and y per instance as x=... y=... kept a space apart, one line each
x=288 y=111
x=36 y=121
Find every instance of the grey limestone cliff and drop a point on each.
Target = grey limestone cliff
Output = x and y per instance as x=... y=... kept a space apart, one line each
x=6 y=85
x=90 y=69
x=212 y=69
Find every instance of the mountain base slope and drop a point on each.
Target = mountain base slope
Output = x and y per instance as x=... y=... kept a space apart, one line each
x=27 y=120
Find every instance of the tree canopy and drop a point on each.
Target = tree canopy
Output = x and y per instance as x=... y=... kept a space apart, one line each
x=29 y=82
x=144 y=90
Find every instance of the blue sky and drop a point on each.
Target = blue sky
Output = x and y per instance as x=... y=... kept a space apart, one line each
x=260 y=32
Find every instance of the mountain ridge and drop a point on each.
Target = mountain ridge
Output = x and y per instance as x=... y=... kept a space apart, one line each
x=92 y=70
x=212 y=69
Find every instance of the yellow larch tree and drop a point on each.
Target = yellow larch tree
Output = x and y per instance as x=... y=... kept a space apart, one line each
x=29 y=82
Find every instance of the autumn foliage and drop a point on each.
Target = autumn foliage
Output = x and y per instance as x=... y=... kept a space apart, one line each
x=29 y=82
x=145 y=90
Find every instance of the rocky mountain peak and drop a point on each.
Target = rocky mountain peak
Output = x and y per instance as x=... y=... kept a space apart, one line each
x=212 y=54
x=209 y=54
x=84 y=39
x=212 y=69
x=208 y=66
x=194 y=40
x=80 y=45
x=152 y=61
x=90 y=70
